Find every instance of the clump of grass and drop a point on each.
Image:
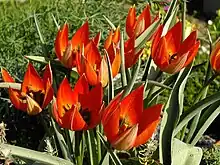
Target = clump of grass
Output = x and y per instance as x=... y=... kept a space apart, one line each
x=18 y=33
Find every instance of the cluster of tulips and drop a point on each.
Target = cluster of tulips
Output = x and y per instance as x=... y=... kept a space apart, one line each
x=125 y=122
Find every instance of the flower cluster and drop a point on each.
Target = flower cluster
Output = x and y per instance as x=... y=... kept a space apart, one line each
x=125 y=121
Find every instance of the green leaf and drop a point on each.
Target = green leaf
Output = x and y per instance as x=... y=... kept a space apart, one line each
x=194 y=110
x=114 y=157
x=110 y=23
x=122 y=68
x=170 y=10
x=208 y=121
x=10 y=85
x=27 y=154
x=110 y=79
x=171 y=115
x=170 y=22
x=39 y=59
x=146 y=35
x=132 y=81
x=185 y=154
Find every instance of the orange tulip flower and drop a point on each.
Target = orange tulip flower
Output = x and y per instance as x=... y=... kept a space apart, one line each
x=136 y=26
x=36 y=92
x=169 y=53
x=66 y=50
x=215 y=58
x=126 y=124
x=80 y=108
x=113 y=48
x=90 y=62
x=131 y=56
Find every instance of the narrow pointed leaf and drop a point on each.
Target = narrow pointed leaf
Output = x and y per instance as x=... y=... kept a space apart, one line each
x=110 y=23
x=194 y=110
x=207 y=122
x=146 y=35
x=172 y=113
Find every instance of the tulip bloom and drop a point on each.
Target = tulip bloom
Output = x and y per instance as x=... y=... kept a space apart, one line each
x=136 y=26
x=80 y=108
x=113 y=48
x=131 y=56
x=169 y=53
x=36 y=92
x=90 y=63
x=215 y=58
x=66 y=50
x=126 y=124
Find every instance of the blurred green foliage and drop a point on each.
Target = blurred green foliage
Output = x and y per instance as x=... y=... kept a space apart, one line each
x=211 y=156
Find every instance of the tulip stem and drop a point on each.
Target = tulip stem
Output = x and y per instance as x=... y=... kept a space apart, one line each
x=132 y=81
x=68 y=140
x=128 y=75
x=61 y=141
x=99 y=148
x=78 y=155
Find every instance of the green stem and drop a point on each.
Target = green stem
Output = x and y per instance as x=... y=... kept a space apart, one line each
x=89 y=147
x=99 y=148
x=132 y=81
x=128 y=75
x=78 y=155
x=68 y=140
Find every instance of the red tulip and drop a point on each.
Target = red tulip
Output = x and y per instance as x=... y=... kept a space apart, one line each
x=36 y=92
x=66 y=50
x=90 y=62
x=80 y=108
x=131 y=56
x=126 y=124
x=136 y=26
x=215 y=58
x=169 y=53
x=113 y=48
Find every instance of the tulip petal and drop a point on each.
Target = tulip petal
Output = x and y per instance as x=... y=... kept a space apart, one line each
x=48 y=94
x=116 y=63
x=64 y=97
x=192 y=53
x=108 y=41
x=61 y=41
x=81 y=36
x=110 y=121
x=81 y=87
x=73 y=120
x=15 y=98
x=90 y=73
x=33 y=107
x=103 y=73
x=132 y=106
x=130 y=21
x=161 y=57
x=215 y=56
x=32 y=80
x=148 y=123
x=48 y=75
x=6 y=76
x=156 y=40
x=143 y=21
x=174 y=38
x=55 y=112
x=188 y=43
x=116 y=36
x=126 y=140
x=97 y=39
